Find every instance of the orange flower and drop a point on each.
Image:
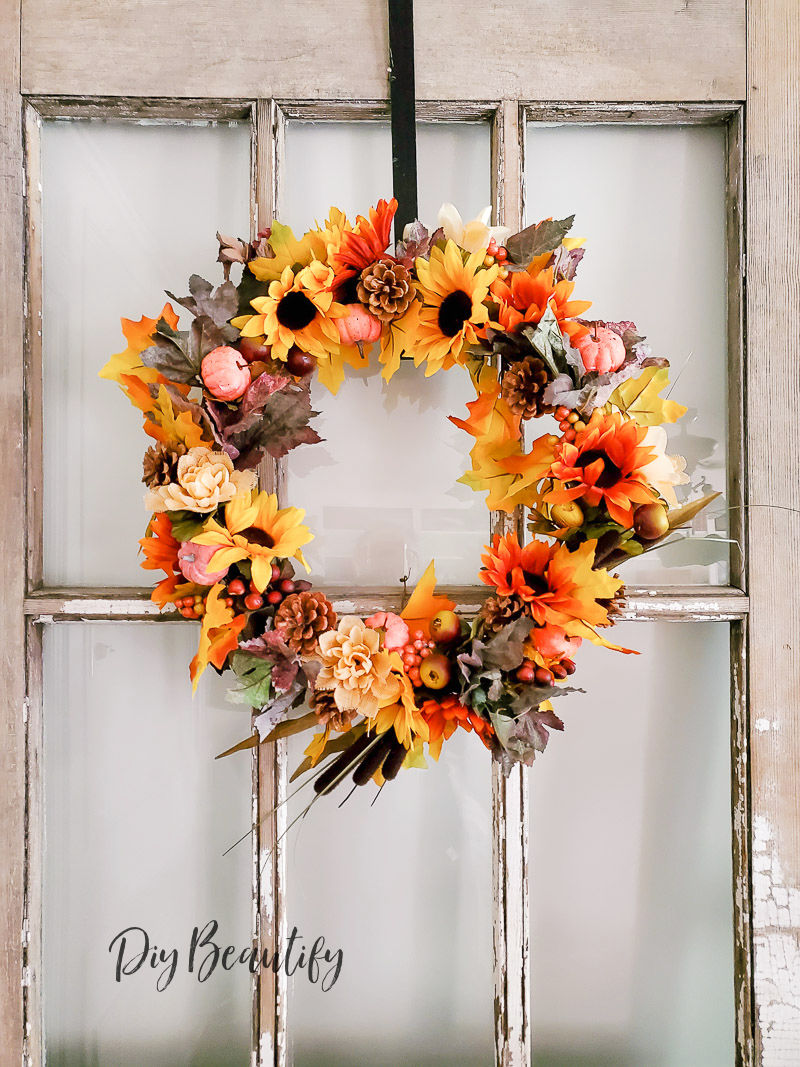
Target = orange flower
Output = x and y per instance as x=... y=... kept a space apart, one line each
x=367 y=242
x=524 y=296
x=445 y=716
x=604 y=465
x=161 y=554
x=556 y=585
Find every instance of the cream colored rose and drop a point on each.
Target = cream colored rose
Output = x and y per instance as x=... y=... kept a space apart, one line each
x=663 y=472
x=356 y=668
x=206 y=479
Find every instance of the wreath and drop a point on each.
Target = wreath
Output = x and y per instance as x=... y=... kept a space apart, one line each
x=381 y=693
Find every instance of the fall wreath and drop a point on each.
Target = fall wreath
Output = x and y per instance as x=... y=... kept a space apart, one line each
x=380 y=693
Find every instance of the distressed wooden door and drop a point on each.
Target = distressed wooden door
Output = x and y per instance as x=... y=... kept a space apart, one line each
x=547 y=87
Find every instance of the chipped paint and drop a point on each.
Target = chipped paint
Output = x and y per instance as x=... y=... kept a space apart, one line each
x=776 y=918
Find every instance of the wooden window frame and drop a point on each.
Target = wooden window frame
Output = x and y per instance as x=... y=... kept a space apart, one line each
x=764 y=628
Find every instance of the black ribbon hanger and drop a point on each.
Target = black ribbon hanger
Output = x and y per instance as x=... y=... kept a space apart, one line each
x=402 y=104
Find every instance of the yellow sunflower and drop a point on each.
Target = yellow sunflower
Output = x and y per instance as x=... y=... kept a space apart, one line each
x=298 y=309
x=256 y=529
x=453 y=289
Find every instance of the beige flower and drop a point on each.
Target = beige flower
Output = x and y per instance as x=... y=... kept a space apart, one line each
x=356 y=668
x=205 y=479
x=472 y=236
x=663 y=472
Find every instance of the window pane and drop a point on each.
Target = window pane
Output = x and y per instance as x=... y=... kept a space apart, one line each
x=137 y=816
x=650 y=201
x=632 y=925
x=128 y=210
x=383 y=485
x=404 y=889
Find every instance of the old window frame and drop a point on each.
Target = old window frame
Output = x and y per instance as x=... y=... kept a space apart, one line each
x=765 y=679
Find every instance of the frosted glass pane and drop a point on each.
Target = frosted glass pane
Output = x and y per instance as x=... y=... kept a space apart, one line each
x=404 y=889
x=650 y=201
x=128 y=211
x=632 y=924
x=386 y=475
x=137 y=816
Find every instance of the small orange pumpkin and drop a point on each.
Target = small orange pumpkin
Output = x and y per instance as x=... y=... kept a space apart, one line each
x=225 y=374
x=601 y=350
x=358 y=325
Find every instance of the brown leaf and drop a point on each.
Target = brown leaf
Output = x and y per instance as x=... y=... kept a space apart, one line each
x=292 y=726
x=249 y=742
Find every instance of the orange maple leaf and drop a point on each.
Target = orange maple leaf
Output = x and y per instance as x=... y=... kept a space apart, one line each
x=124 y=366
x=424 y=603
x=219 y=634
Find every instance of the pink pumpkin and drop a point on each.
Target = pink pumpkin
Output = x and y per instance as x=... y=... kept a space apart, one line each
x=193 y=560
x=395 y=629
x=224 y=373
x=601 y=350
x=358 y=325
x=551 y=641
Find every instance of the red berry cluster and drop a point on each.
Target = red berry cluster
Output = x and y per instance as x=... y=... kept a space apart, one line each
x=419 y=647
x=244 y=596
x=528 y=672
x=191 y=607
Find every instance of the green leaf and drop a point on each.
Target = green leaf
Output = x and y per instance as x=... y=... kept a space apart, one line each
x=255 y=680
x=535 y=240
x=186 y=525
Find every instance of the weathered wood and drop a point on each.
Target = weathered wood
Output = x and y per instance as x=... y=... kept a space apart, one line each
x=773 y=356
x=34 y=464
x=735 y=266
x=269 y=762
x=34 y=849
x=510 y=795
x=528 y=49
x=12 y=537
x=138 y=108
x=700 y=113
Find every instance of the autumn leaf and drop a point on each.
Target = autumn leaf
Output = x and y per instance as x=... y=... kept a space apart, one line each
x=289 y=252
x=423 y=603
x=397 y=339
x=684 y=514
x=330 y=371
x=639 y=399
x=123 y=367
x=535 y=240
x=171 y=429
x=219 y=634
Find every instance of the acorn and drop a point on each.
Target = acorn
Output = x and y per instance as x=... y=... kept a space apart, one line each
x=650 y=521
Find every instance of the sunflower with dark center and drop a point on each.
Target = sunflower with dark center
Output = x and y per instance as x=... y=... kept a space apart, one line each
x=256 y=529
x=556 y=585
x=298 y=311
x=604 y=465
x=453 y=287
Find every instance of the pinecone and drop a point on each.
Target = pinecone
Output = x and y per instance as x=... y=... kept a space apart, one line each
x=499 y=611
x=321 y=701
x=160 y=464
x=523 y=386
x=301 y=618
x=385 y=289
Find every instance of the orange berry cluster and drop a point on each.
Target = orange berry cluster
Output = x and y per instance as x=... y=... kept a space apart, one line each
x=569 y=422
x=418 y=648
x=528 y=672
x=496 y=254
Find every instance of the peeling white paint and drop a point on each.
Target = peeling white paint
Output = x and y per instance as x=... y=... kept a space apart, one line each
x=762 y=725
x=776 y=918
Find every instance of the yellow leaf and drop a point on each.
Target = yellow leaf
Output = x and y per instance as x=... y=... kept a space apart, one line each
x=330 y=371
x=397 y=339
x=292 y=726
x=638 y=398
x=289 y=252
x=164 y=425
